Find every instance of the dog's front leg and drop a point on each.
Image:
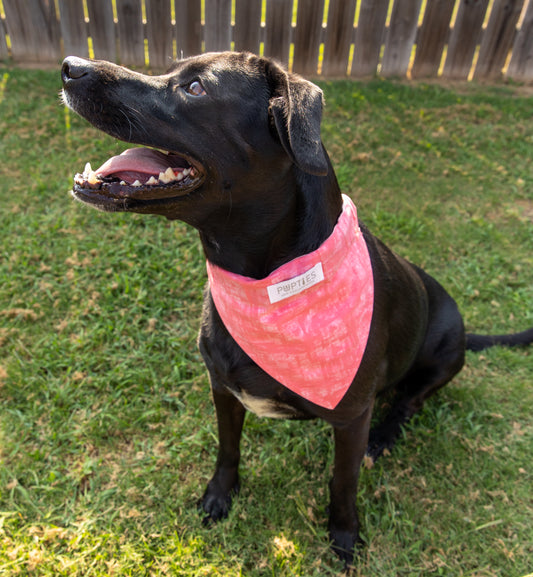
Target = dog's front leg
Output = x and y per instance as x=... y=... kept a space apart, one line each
x=224 y=484
x=350 y=446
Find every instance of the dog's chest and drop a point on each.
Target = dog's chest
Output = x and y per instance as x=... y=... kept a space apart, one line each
x=263 y=407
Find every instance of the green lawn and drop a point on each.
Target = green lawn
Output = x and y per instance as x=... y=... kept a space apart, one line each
x=107 y=430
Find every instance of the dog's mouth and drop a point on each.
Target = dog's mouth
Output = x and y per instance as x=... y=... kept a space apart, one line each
x=142 y=174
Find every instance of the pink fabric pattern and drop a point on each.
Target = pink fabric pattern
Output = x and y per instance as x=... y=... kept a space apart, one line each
x=307 y=323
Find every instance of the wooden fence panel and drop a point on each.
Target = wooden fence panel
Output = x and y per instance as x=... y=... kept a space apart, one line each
x=217 y=30
x=498 y=38
x=102 y=29
x=115 y=31
x=73 y=28
x=159 y=33
x=339 y=37
x=464 y=38
x=33 y=30
x=521 y=65
x=369 y=37
x=247 y=33
x=188 y=27
x=130 y=32
x=278 y=30
x=307 y=36
x=432 y=38
x=401 y=37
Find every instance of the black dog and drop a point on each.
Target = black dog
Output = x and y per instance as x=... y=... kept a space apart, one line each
x=244 y=164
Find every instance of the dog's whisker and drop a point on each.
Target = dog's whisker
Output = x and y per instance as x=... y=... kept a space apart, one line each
x=130 y=125
x=134 y=117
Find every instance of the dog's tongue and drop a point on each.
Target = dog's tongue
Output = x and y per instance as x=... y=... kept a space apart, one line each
x=135 y=160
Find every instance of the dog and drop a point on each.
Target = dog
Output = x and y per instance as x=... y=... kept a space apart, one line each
x=235 y=151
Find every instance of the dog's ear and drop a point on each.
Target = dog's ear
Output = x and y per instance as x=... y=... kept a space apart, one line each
x=296 y=108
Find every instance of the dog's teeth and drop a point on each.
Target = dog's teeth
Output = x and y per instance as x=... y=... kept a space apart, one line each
x=186 y=172
x=87 y=169
x=78 y=178
x=152 y=180
x=167 y=176
x=170 y=174
x=136 y=183
x=123 y=183
x=92 y=177
x=179 y=176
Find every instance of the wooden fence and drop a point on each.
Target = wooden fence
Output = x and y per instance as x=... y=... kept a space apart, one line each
x=455 y=39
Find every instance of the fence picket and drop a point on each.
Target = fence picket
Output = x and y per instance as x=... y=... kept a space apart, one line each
x=369 y=37
x=73 y=28
x=188 y=27
x=4 y=53
x=339 y=37
x=432 y=38
x=217 y=29
x=130 y=32
x=521 y=65
x=159 y=33
x=401 y=37
x=247 y=33
x=278 y=30
x=498 y=38
x=307 y=36
x=464 y=39
x=102 y=29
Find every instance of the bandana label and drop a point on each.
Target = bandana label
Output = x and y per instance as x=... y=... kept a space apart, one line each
x=307 y=323
x=283 y=290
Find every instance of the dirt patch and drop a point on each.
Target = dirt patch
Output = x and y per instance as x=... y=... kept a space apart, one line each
x=525 y=208
x=520 y=209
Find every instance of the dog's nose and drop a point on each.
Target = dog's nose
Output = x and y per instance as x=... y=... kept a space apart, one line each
x=74 y=68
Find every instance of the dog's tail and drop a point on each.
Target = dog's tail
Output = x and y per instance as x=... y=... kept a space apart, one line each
x=479 y=342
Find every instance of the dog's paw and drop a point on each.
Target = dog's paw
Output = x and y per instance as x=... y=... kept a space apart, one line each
x=379 y=444
x=345 y=545
x=216 y=502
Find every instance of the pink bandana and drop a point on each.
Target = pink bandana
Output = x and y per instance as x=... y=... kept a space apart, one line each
x=307 y=323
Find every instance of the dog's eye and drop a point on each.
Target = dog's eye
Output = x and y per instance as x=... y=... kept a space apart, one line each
x=196 y=89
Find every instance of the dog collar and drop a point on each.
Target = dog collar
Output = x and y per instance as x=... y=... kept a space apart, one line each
x=307 y=323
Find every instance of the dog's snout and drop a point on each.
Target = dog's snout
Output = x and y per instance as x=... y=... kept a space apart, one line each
x=74 y=68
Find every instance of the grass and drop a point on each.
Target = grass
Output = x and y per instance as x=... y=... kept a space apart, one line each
x=107 y=431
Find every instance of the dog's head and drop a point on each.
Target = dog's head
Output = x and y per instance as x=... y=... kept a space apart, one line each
x=213 y=124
